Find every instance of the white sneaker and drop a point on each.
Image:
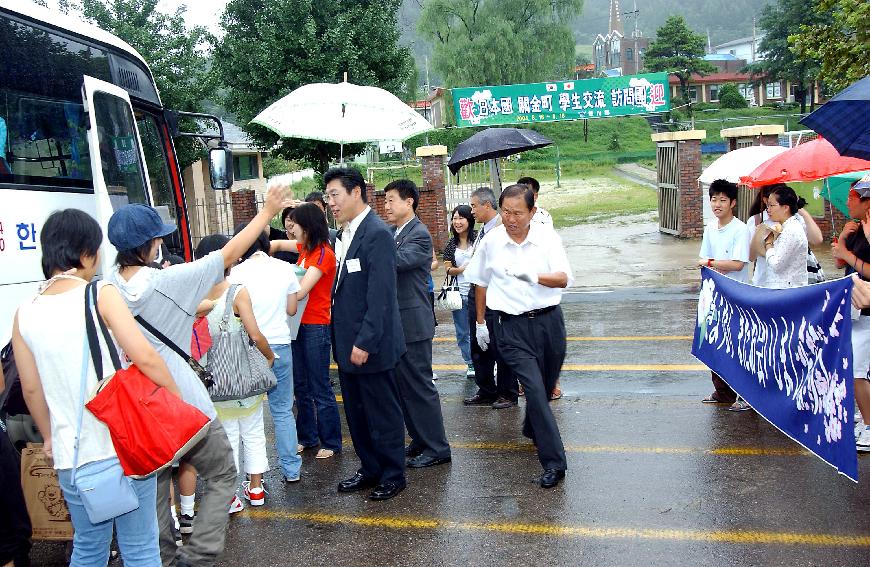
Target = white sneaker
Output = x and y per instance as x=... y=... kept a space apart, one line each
x=236 y=504
x=862 y=443
x=256 y=496
x=859 y=425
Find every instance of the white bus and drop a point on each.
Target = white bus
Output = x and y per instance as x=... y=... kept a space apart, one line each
x=81 y=125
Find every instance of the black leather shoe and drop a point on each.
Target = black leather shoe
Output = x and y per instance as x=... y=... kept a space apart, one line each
x=412 y=451
x=477 y=400
x=422 y=461
x=386 y=491
x=356 y=482
x=551 y=478
x=503 y=403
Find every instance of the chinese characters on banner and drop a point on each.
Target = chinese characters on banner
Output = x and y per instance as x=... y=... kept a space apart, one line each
x=562 y=100
x=788 y=352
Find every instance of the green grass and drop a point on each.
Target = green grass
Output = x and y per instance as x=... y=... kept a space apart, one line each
x=625 y=199
x=715 y=120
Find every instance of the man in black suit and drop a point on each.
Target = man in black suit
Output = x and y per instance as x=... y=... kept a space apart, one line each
x=367 y=339
x=420 y=401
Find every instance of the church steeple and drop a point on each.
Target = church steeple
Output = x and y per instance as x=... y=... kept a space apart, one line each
x=615 y=18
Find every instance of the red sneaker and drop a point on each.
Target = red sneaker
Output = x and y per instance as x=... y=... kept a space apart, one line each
x=256 y=496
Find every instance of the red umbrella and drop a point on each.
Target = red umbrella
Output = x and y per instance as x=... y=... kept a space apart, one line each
x=807 y=162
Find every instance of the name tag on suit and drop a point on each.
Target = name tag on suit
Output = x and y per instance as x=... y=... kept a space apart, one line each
x=353 y=266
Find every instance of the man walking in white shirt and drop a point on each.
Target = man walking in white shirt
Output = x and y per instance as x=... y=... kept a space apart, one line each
x=523 y=269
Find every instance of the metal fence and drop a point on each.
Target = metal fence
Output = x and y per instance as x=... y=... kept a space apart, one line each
x=211 y=215
x=458 y=188
x=669 y=187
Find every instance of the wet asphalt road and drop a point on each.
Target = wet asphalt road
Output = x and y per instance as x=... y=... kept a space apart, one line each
x=655 y=477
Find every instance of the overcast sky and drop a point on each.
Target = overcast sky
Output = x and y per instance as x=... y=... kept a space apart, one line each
x=199 y=12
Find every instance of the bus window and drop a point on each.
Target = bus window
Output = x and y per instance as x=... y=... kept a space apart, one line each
x=43 y=129
x=119 y=150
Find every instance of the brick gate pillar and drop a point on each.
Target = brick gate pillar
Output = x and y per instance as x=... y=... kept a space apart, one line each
x=432 y=209
x=244 y=206
x=691 y=205
x=759 y=135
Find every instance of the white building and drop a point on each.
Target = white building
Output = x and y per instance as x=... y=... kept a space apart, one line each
x=746 y=48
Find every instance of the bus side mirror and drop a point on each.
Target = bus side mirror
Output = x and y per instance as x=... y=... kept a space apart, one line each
x=220 y=167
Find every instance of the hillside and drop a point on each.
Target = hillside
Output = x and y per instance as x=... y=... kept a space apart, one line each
x=726 y=20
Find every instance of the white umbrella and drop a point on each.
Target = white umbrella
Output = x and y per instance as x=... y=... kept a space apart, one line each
x=737 y=163
x=342 y=113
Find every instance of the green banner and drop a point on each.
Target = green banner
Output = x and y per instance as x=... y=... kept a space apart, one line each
x=562 y=100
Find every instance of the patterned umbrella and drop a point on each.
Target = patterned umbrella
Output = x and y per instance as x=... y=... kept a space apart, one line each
x=845 y=120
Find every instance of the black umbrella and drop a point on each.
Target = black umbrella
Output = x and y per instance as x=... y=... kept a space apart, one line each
x=495 y=143
x=845 y=120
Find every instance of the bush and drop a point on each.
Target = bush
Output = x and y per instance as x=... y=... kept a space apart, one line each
x=730 y=97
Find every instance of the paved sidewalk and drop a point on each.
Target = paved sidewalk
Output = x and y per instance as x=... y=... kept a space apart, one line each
x=630 y=252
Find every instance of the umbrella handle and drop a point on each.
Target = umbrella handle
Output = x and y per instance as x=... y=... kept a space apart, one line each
x=831 y=206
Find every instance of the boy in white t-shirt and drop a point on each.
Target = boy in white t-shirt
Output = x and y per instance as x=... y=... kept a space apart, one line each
x=725 y=248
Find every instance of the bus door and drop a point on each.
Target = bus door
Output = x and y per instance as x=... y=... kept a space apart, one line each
x=120 y=173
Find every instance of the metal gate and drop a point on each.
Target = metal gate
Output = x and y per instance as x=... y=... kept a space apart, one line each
x=458 y=188
x=668 y=180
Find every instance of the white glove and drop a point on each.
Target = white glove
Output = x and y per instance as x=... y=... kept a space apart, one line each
x=482 y=334
x=525 y=274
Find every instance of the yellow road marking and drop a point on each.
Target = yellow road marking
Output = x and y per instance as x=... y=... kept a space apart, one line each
x=596 y=339
x=740 y=537
x=623 y=449
x=594 y=367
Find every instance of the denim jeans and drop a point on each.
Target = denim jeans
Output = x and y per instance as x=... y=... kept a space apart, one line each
x=137 y=530
x=463 y=330
x=317 y=420
x=281 y=407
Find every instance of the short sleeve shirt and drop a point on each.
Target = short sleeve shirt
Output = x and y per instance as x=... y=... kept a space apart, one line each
x=269 y=282
x=731 y=242
x=317 y=311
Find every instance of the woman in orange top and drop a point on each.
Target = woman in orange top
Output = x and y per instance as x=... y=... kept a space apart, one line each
x=317 y=420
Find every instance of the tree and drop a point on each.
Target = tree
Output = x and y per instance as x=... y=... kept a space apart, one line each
x=842 y=45
x=779 y=62
x=499 y=42
x=175 y=54
x=271 y=47
x=679 y=51
x=730 y=97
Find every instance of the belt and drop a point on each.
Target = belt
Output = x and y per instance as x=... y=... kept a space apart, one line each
x=528 y=314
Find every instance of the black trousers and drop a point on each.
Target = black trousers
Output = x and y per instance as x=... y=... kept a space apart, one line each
x=15 y=530
x=534 y=348
x=421 y=404
x=374 y=418
x=490 y=385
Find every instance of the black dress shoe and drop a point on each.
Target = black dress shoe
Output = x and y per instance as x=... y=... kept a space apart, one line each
x=503 y=403
x=356 y=482
x=422 y=461
x=478 y=400
x=412 y=451
x=386 y=490
x=551 y=478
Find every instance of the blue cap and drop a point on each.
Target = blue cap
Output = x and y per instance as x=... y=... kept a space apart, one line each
x=133 y=225
x=863 y=186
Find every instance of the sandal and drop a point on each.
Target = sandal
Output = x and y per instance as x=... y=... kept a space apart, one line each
x=324 y=454
x=555 y=394
x=712 y=399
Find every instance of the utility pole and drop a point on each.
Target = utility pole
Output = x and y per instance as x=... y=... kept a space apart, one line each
x=752 y=51
x=634 y=13
x=428 y=94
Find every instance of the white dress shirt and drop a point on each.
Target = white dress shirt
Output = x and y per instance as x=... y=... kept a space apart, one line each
x=401 y=228
x=541 y=251
x=347 y=235
x=787 y=259
x=543 y=217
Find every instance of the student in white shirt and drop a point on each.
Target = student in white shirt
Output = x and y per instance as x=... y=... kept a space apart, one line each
x=272 y=285
x=541 y=216
x=725 y=248
x=522 y=269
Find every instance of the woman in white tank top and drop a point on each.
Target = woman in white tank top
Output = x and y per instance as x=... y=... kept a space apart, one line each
x=49 y=342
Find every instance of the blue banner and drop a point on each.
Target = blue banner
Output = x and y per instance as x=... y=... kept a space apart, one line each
x=788 y=353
